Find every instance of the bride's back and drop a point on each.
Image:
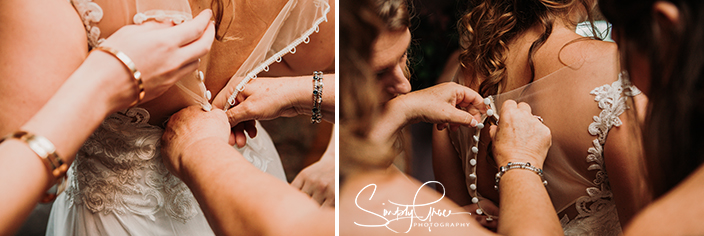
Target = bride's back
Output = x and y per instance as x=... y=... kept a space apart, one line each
x=573 y=83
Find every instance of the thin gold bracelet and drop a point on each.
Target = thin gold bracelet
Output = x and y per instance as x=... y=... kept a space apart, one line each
x=47 y=153
x=129 y=64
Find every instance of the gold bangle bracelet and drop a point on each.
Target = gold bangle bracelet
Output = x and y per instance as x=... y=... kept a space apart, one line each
x=129 y=64
x=47 y=153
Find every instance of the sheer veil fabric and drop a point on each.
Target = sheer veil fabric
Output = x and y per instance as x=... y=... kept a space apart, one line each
x=118 y=184
x=580 y=103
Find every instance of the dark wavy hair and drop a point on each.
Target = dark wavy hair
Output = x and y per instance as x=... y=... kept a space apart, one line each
x=674 y=129
x=489 y=25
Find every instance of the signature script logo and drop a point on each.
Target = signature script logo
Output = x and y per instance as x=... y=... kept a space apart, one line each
x=408 y=212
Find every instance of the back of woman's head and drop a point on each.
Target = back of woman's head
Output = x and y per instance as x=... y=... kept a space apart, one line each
x=489 y=25
x=359 y=101
x=394 y=14
x=674 y=130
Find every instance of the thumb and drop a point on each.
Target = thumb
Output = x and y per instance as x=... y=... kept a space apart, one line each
x=461 y=117
x=239 y=113
x=492 y=131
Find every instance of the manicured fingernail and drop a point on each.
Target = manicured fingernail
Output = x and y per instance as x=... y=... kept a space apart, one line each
x=473 y=123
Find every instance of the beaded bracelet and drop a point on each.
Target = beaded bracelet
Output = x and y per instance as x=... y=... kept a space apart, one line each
x=518 y=165
x=317 y=97
x=47 y=153
x=127 y=62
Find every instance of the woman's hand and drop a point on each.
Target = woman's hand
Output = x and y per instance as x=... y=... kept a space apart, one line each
x=270 y=98
x=443 y=104
x=188 y=127
x=163 y=53
x=520 y=136
x=318 y=180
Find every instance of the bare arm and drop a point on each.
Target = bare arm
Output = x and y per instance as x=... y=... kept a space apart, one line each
x=81 y=103
x=625 y=165
x=235 y=196
x=676 y=213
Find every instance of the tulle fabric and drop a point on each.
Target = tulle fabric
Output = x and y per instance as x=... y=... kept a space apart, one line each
x=118 y=184
x=569 y=101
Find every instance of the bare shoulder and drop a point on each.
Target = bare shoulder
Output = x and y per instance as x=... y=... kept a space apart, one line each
x=41 y=43
x=582 y=49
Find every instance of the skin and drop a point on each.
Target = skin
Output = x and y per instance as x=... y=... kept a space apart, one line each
x=82 y=92
x=552 y=56
x=518 y=188
x=235 y=196
x=388 y=60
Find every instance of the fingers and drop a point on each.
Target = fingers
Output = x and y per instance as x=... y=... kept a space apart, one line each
x=251 y=128
x=525 y=107
x=508 y=105
x=329 y=202
x=240 y=138
x=238 y=114
x=232 y=141
x=470 y=97
x=492 y=131
x=201 y=46
x=191 y=30
x=298 y=181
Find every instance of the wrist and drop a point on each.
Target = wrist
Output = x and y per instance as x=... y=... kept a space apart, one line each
x=303 y=96
x=111 y=79
x=517 y=158
x=187 y=158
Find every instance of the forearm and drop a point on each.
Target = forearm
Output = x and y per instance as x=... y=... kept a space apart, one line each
x=237 y=197
x=391 y=120
x=67 y=120
x=525 y=207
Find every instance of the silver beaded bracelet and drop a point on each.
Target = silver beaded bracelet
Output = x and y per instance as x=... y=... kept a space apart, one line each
x=317 y=97
x=518 y=165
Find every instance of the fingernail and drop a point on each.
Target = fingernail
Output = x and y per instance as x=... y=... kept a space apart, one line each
x=473 y=123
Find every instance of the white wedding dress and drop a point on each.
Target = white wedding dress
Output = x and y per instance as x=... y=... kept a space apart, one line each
x=580 y=103
x=118 y=184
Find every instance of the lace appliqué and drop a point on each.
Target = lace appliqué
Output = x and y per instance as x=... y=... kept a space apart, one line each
x=597 y=213
x=91 y=14
x=119 y=170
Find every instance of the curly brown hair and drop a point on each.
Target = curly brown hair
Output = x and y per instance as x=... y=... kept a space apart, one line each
x=489 y=25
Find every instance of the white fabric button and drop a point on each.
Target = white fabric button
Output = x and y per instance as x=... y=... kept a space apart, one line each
x=473 y=162
x=475 y=150
x=479 y=211
x=487 y=101
x=475 y=200
x=473 y=186
x=490 y=112
x=480 y=126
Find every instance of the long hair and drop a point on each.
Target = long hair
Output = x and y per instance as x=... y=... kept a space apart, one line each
x=359 y=99
x=218 y=7
x=674 y=131
x=394 y=13
x=489 y=25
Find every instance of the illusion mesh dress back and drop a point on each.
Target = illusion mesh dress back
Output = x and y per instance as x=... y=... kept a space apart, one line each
x=118 y=184
x=580 y=103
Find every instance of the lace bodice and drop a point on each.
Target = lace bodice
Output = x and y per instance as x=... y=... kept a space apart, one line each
x=598 y=207
x=119 y=169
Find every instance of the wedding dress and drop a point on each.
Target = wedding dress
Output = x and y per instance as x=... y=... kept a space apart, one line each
x=580 y=103
x=118 y=184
